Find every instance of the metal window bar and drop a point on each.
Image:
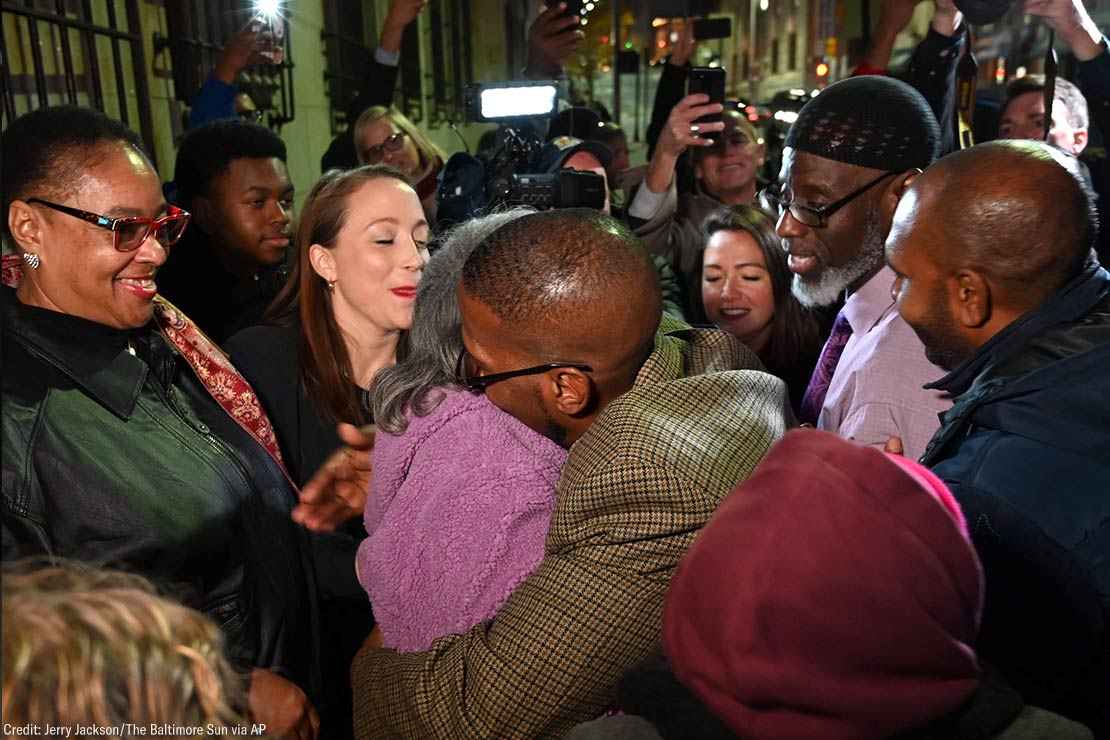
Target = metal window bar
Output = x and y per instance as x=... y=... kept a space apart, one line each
x=197 y=32
x=346 y=57
x=412 y=96
x=43 y=69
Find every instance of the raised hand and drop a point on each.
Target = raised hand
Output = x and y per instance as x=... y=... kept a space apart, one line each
x=552 y=38
x=1072 y=22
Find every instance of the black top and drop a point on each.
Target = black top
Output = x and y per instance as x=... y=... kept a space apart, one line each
x=267 y=356
x=115 y=454
x=221 y=303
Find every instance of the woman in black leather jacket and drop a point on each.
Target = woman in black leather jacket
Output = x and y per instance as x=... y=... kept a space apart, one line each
x=128 y=438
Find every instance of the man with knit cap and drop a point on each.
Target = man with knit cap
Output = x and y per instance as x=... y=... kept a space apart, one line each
x=847 y=160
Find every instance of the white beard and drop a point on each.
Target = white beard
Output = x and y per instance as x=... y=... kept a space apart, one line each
x=830 y=284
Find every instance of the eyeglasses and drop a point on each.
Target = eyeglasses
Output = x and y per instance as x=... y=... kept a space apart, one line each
x=465 y=377
x=131 y=231
x=392 y=144
x=781 y=199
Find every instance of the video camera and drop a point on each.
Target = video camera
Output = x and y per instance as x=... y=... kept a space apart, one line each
x=509 y=172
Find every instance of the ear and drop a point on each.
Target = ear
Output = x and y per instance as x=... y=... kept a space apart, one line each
x=322 y=261
x=26 y=226
x=571 y=391
x=760 y=154
x=1079 y=141
x=970 y=295
x=892 y=195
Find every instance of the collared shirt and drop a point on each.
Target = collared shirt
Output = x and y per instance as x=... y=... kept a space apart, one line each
x=877 y=390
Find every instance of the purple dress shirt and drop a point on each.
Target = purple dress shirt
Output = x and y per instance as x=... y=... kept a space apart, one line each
x=876 y=392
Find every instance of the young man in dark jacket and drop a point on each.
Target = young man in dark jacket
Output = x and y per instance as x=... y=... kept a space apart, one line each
x=992 y=247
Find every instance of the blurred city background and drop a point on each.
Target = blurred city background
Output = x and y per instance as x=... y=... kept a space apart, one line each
x=144 y=60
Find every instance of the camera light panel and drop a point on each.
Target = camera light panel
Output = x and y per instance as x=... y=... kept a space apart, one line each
x=518 y=102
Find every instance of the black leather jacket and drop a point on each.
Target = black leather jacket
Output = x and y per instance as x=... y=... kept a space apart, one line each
x=121 y=458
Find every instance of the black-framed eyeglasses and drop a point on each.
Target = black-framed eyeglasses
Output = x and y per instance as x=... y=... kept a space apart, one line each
x=130 y=231
x=781 y=199
x=465 y=376
x=393 y=143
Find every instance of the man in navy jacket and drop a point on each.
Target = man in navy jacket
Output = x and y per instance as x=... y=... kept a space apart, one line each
x=992 y=248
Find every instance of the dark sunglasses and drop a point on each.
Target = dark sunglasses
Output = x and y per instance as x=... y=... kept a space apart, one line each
x=781 y=199
x=393 y=143
x=131 y=231
x=478 y=383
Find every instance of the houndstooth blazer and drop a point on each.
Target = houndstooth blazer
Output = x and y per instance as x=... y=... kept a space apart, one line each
x=634 y=492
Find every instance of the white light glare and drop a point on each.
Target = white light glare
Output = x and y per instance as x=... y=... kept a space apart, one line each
x=589 y=7
x=764 y=4
x=1020 y=72
x=507 y=102
x=268 y=8
x=585 y=21
x=815 y=92
x=786 y=116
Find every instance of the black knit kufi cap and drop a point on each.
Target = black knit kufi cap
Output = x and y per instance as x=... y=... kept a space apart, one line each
x=870 y=121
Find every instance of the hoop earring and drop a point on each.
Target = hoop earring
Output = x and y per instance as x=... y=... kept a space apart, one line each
x=32 y=260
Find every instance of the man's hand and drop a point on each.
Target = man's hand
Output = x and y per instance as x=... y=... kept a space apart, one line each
x=893 y=446
x=1072 y=21
x=552 y=38
x=946 y=18
x=281 y=706
x=401 y=14
x=677 y=134
x=338 y=490
x=240 y=51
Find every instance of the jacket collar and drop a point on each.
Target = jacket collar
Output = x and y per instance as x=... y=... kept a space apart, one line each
x=93 y=356
x=1070 y=303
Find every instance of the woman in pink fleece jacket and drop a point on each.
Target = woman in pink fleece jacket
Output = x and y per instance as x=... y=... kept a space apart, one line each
x=462 y=492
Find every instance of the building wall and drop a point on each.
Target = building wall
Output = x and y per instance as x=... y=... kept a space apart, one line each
x=308 y=135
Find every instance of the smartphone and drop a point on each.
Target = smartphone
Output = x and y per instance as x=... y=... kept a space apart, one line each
x=271 y=37
x=708 y=81
x=574 y=7
x=712 y=28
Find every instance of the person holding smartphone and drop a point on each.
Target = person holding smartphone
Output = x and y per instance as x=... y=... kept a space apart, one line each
x=725 y=171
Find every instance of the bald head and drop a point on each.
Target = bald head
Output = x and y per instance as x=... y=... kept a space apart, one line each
x=573 y=277
x=1016 y=211
x=982 y=238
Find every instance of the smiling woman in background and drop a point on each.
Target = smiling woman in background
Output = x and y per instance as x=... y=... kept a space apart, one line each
x=745 y=288
x=385 y=136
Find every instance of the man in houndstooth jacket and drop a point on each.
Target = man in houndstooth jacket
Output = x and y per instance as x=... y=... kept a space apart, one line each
x=562 y=329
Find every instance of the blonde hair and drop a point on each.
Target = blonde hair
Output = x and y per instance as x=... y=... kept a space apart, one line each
x=85 y=646
x=431 y=155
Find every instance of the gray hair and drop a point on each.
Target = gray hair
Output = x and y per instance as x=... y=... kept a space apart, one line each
x=435 y=340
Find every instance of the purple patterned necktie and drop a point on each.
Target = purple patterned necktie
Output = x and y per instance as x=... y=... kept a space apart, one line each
x=818 y=387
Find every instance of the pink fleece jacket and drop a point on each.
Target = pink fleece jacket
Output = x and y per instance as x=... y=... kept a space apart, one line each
x=457 y=516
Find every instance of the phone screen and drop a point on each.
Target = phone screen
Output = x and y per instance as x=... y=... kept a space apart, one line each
x=708 y=81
